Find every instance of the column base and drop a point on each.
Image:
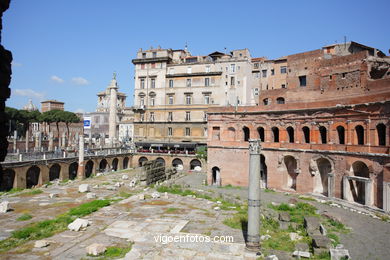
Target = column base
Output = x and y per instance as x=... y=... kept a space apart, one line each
x=252 y=246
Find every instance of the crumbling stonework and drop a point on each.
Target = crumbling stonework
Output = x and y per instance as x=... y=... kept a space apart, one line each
x=154 y=171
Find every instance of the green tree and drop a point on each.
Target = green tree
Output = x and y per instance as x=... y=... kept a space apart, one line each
x=69 y=118
x=26 y=117
x=12 y=119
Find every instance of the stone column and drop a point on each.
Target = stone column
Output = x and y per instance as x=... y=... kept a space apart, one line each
x=15 y=137
x=331 y=185
x=50 y=141
x=112 y=116
x=63 y=143
x=386 y=196
x=39 y=134
x=27 y=140
x=36 y=146
x=253 y=237
x=368 y=193
x=81 y=169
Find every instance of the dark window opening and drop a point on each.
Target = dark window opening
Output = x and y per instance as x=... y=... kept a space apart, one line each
x=359 y=134
x=260 y=130
x=246 y=133
x=381 y=130
x=306 y=134
x=341 y=134
x=280 y=100
x=302 y=81
x=290 y=132
x=275 y=132
x=323 y=133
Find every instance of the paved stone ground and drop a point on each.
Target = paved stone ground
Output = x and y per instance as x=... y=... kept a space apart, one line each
x=143 y=221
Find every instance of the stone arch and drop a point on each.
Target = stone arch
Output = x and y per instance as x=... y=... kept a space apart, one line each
x=323 y=134
x=291 y=166
x=216 y=176
x=73 y=170
x=7 y=180
x=194 y=164
x=141 y=161
x=266 y=101
x=263 y=172
x=275 y=134
x=290 y=132
x=32 y=176
x=280 y=100
x=125 y=164
x=178 y=164
x=103 y=165
x=88 y=169
x=359 y=131
x=231 y=133
x=341 y=134
x=115 y=163
x=381 y=133
x=306 y=134
x=359 y=169
x=246 y=133
x=54 y=172
x=261 y=132
x=161 y=160
x=320 y=171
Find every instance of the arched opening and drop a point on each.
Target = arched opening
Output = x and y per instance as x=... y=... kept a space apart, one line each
x=260 y=131
x=125 y=163
x=141 y=161
x=275 y=133
x=359 y=134
x=54 y=172
x=32 y=177
x=291 y=167
x=321 y=177
x=231 y=134
x=103 y=165
x=7 y=180
x=381 y=131
x=266 y=101
x=341 y=134
x=246 y=133
x=290 y=132
x=178 y=164
x=358 y=190
x=323 y=133
x=196 y=165
x=161 y=161
x=306 y=134
x=88 y=169
x=73 y=170
x=263 y=172
x=115 y=164
x=216 y=176
x=280 y=100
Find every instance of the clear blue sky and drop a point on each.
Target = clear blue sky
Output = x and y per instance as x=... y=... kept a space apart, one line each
x=67 y=50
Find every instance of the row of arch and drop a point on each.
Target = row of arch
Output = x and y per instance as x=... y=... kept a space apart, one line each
x=177 y=163
x=359 y=131
x=33 y=173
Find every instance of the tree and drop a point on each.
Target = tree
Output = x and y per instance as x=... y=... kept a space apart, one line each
x=69 y=118
x=12 y=119
x=26 y=117
x=47 y=117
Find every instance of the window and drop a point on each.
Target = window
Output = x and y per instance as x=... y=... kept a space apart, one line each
x=256 y=91
x=266 y=101
x=170 y=100
x=283 y=85
x=188 y=99
x=142 y=101
x=171 y=83
x=154 y=54
x=216 y=133
x=306 y=134
x=143 y=55
x=142 y=117
x=343 y=75
x=169 y=131
x=246 y=132
x=302 y=81
x=272 y=72
x=330 y=77
x=207 y=99
x=207 y=69
x=264 y=73
x=142 y=83
x=188 y=82
x=205 y=116
x=280 y=100
x=189 y=69
x=142 y=66
x=232 y=81
x=151 y=116
x=205 y=131
x=341 y=134
x=290 y=132
x=153 y=65
x=283 y=69
x=381 y=132
x=323 y=133
x=188 y=131
x=256 y=65
x=359 y=134
x=152 y=100
x=153 y=83
x=207 y=82
x=232 y=68
x=188 y=116
x=170 y=116
x=275 y=133
x=261 y=132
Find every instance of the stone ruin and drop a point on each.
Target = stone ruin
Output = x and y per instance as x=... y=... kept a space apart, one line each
x=155 y=171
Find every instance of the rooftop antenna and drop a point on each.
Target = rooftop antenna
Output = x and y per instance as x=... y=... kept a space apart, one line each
x=345 y=42
x=114 y=75
x=186 y=47
x=225 y=49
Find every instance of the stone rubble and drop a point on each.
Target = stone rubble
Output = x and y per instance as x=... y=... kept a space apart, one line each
x=4 y=206
x=96 y=249
x=84 y=188
x=91 y=195
x=78 y=224
x=41 y=243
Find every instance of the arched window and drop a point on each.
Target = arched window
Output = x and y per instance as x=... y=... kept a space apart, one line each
x=260 y=131
x=323 y=133
x=280 y=100
x=359 y=134
x=341 y=133
x=290 y=132
x=231 y=133
x=381 y=131
x=266 y=101
x=246 y=133
x=306 y=134
x=275 y=133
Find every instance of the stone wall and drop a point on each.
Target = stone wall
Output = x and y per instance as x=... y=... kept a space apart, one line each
x=154 y=171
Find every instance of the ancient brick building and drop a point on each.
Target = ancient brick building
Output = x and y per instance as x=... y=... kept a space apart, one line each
x=324 y=130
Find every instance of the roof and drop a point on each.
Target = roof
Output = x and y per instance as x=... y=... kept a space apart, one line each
x=258 y=59
x=217 y=53
x=52 y=101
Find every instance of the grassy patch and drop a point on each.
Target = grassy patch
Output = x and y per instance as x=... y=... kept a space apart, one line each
x=336 y=226
x=24 y=217
x=172 y=210
x=383 y=217
x=124 y=194
x=114 y=252
x=334 y=238
x=297 y=213
x=11 y=191
x=30 y=193
x=306 y=198
x=269 y=191
x=48 y=228
x=229 y=186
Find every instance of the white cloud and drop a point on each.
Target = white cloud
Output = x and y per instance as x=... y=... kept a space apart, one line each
x=16 y=64
x=56 y=79
x=80 y=110
x=80 y=81
x=28 y=93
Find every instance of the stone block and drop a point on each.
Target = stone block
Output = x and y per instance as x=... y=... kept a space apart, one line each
x=96 y=249
x=302 y=254
x=312 y=224
x=284 y=216
x=302 y=247
x=53 y=195
x=321 y=241
x=294 y=236
x=84 y=188
x=91 y=195
x=41 y=243
x=125 y=177
x=284 y=225
x=4 y=206
x=78 y=224
x=323 y=230
x=272 y=257
x=339 y=253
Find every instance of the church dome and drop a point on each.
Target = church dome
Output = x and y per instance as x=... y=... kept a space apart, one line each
x=30 y=106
